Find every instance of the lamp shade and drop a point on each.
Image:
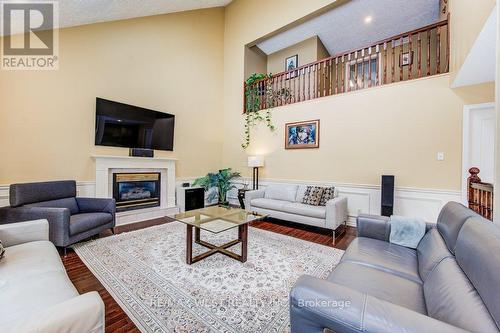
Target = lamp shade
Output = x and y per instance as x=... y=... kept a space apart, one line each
x=255 y=161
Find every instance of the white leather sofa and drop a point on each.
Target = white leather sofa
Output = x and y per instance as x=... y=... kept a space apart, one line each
x=284 y=202
x=36 y=294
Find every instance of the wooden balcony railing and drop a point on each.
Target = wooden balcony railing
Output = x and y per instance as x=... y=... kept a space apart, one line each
x=480 y=195
x=411 y=55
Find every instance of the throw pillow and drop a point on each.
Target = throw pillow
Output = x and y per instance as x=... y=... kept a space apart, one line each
x=2 y=250
x=328 y=194
x=313 y=195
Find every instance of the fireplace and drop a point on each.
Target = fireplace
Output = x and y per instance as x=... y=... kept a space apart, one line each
x=136 y=190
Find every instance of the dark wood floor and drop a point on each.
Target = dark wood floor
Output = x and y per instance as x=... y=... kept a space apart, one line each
x=118 y=321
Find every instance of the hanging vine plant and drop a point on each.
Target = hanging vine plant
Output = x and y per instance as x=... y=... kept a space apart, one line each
x=256 y=96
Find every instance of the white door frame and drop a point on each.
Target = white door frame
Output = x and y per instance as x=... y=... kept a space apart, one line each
x=468 y=109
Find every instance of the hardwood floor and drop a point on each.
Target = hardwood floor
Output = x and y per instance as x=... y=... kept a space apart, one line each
x=118 y=321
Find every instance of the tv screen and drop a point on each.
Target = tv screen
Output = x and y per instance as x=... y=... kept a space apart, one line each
x=123 y=125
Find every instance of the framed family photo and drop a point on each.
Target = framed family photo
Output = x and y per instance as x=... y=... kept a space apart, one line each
x=406 y=59
x=301 y=135
x=290 y=64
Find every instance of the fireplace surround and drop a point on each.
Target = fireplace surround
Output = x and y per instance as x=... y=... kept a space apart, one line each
x=106 y=166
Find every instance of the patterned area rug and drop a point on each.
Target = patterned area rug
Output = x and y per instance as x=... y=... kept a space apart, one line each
x=146 y=273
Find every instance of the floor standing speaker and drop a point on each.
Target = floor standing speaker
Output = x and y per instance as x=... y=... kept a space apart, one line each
x=387 y=199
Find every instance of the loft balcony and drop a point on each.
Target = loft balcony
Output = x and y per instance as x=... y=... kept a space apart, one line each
x=411 y=55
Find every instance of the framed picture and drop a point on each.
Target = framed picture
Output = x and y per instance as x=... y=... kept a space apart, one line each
x=303 y=134
x=290 y=64
x=406 y=59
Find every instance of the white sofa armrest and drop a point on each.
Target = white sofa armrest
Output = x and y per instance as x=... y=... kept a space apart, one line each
x=336 y=212
x=82 y=314
x=250 y=195
x=24 y=232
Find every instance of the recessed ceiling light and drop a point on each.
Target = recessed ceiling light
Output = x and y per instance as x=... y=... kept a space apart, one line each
x=368 y=19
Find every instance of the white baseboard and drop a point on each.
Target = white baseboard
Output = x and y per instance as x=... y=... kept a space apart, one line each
x=362 y=199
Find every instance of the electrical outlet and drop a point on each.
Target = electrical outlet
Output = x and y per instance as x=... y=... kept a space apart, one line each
x=440 y=156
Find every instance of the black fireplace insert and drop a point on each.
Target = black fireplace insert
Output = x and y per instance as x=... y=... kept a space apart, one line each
x=136 y=190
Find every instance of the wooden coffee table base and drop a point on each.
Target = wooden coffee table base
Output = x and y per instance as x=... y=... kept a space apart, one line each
x=242 y=238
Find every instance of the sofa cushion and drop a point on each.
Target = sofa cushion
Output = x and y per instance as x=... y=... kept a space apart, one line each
x=268 y=203
x=83 y=222
x=430 y=251
x=305 y=210
x=451 y=297
x=22 y=194
x=69 y=203
x=281 y=192
x=301 y=191
x=450 y=220
x=380 y=284
x=395 y=259
x=32 y=278
x=481 y=238
x=313 y=195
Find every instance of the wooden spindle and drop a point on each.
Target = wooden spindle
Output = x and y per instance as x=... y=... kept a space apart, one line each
x=309 y=82
x=401 y=50
x=393 y=62
x=410 y=66
x=438 y=50
x=325 y=87
x=385 y=64
x=428 y=53
x=342 y=76
x=419 y=55
x=369 y=67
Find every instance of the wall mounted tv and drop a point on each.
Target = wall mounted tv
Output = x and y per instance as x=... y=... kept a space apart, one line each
x=123 y=125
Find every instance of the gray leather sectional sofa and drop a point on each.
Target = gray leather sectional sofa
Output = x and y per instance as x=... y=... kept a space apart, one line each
x=450 y=283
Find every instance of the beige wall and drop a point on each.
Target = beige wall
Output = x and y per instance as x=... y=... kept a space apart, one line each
x=255 y=61
x=467 y=19
x=394 y=129
x=172 y=63
x=308 y=51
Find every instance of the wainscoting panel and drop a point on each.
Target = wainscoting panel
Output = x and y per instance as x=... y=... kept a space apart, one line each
x=362 y=199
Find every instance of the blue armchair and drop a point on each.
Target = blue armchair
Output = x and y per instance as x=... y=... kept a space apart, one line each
x=71 y=219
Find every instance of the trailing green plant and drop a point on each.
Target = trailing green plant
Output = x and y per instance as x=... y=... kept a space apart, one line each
x=254 y=93
x=220 y=180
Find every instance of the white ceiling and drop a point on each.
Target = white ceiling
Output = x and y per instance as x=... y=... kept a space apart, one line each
x=479 y=66
x=79 y=12
x=343 y=28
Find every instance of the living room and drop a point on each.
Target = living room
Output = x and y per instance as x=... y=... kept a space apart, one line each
x=281 y=132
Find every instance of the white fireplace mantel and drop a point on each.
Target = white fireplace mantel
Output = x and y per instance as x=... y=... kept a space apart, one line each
x=106 y=166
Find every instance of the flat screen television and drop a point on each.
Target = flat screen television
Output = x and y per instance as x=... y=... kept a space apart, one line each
x=123 y=125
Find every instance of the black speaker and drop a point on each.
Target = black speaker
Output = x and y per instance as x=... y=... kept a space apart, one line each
x=387 y=200
x=140 y=152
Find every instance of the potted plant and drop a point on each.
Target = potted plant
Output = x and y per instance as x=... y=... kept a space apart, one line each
x=221 y=181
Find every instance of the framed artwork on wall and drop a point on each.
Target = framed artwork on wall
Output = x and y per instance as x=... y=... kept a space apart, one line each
x=301 y=135
x=406 y=59
x=290 y=64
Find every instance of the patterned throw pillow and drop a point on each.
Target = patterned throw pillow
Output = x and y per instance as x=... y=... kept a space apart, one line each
x=2 y=250
x=313 y=195
x=328 y=194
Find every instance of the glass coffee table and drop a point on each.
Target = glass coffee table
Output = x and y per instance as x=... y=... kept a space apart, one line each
x=217 y=219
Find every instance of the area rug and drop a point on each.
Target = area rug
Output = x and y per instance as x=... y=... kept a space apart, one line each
x=146 y=273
